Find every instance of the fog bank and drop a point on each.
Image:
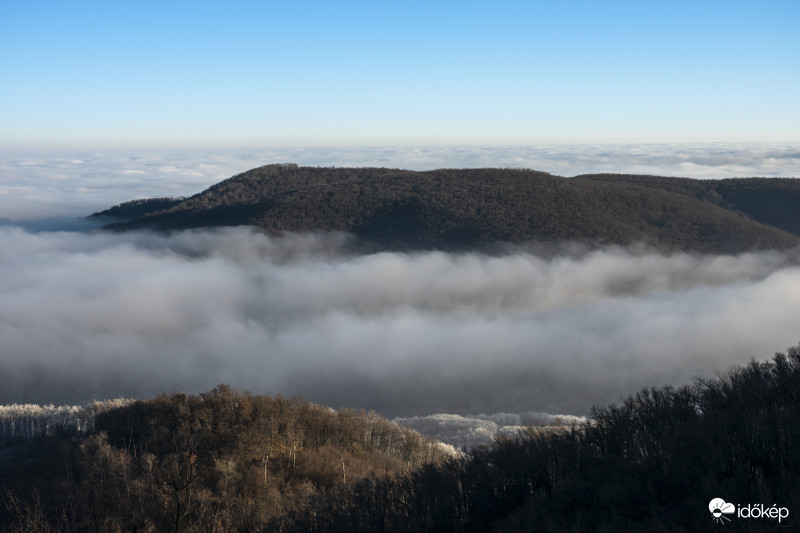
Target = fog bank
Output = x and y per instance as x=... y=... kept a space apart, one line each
x=98 y=315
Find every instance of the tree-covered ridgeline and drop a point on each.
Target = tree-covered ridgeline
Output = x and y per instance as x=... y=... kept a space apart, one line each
x=220 y=461
x=225 y=461
x=651 y=463
x=469 y=208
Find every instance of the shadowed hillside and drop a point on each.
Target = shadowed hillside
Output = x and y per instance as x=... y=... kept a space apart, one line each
x=221 y=461
x=451 y=209
x=771 y=201
x=651 y=463
x=224 y=461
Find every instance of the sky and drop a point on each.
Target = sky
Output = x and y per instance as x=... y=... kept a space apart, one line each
x=245 y=73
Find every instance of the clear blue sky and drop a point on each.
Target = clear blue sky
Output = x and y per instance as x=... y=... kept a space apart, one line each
x=116 y=73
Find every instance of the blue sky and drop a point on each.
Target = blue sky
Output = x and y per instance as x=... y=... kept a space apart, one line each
x=298 y=73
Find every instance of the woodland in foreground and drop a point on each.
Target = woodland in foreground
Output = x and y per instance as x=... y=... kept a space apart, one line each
x=226 y=461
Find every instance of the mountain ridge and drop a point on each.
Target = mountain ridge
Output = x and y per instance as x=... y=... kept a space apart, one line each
x=469 y=208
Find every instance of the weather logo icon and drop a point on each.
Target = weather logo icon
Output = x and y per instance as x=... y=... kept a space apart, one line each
x=719 y=508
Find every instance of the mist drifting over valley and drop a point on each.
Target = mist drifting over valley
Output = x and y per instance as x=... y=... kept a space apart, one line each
x=99 y=315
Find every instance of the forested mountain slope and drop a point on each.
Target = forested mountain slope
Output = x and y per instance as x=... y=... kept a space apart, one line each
x=225 y=461
x=221 y=461
x=772 y=201
x=652 y=463
x=452 y=208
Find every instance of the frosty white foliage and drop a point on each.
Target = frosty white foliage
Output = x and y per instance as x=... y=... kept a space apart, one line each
x=30 y=421
x=470 y=431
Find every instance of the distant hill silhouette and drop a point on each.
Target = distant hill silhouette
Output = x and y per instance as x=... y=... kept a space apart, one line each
x=466 y=208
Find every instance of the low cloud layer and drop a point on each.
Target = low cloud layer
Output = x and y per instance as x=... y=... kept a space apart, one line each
x=48 y=190
x=96 y=315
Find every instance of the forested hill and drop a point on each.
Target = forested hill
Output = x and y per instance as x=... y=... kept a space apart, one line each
x=465 y=208
x=225 y=461
x=220 y=461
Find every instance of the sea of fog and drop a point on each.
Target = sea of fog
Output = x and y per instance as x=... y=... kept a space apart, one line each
x=459 y=346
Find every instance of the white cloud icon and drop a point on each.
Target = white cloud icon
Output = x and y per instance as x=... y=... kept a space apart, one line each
x=719 y=507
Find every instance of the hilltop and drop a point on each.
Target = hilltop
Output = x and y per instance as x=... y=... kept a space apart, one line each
x=467 y=208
